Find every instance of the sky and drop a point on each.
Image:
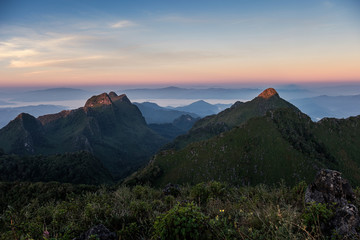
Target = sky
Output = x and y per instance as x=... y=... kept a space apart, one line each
x=169 y=42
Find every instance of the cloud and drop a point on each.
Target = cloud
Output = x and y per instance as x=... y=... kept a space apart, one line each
x=70 y=49
x=80 y=62
x=122 y=24
x=6 y=53
x=12 y=50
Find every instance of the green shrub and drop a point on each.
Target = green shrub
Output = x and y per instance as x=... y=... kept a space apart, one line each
x=181 y=222
x=200 y=193
x=203 y=191
x=131 y=231
x=140 y=209
x=298 y=191
x=316 y=215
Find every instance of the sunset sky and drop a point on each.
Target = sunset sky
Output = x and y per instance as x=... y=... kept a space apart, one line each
x=91 y=42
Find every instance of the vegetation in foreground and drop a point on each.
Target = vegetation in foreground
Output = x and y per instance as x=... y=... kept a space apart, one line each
x=211 y=210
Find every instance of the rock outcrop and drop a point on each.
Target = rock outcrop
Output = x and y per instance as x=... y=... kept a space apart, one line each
x=331 y=189
x=99 y=100
x=97 y=232
x=268 y=93
x=171 y=189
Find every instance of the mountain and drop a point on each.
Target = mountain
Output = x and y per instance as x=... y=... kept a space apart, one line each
x=282 y=145
x=153 y=113
x=52 y=94
x=202 y=108
x=236 y=115
x=178 y=127
x=265 y=140
x=185 y=122
x=191 y=93
x=9 y=113
x=79 y=168
x=329 y=106
x=109 y=126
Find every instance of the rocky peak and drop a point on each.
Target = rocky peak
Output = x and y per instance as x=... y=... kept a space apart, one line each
x=102 y=99
x=112 y=95
x=106 y=99
x=27 y=121
x=24 y=116
x=122 y=98
x=268 y=93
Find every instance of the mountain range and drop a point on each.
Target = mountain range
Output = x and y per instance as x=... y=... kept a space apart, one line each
x=178 y=127
x=329 y=106
x=9 y=113
x=190 y=93
x=260 y=141
x=51 y=94
x=202 y=108
x=153 y=113
x=108 y=126
x=264 y=140
x=237 y=114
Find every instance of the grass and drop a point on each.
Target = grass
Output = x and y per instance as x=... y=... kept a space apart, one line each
x=284 y=144
x=218 y=210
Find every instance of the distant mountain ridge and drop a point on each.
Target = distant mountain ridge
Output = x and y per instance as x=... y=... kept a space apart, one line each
x=203 y=108
x=178 y=127
x=329 y=106
x=109 y=126
x=191 y=93
x=52 y=94
x=153 y=113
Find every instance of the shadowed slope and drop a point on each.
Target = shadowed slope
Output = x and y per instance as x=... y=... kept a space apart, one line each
x=109 y=126
x=236 y=115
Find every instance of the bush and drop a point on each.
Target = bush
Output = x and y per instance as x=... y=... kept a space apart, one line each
x=181 y=222
x=316 y=216
x=203 y=191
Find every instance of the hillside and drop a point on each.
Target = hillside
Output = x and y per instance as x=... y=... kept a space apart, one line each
x=236 y=115
x=80 y=167
x=109 y=126
x=178 y=127
x=213 y=210
x=283 y=144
